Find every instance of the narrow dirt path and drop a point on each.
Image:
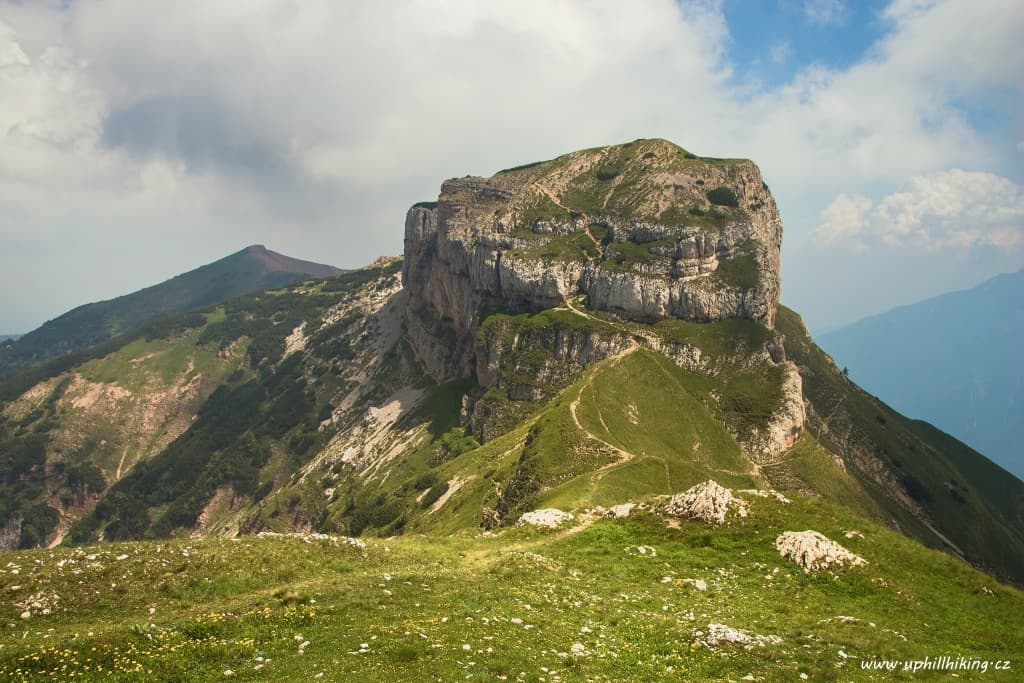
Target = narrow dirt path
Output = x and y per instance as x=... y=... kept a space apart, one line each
x=943 y=538
x=622 y=456
x=487 y=556
x=635 y=332
x=120 y=464
x=572 y=307
x=550 y=195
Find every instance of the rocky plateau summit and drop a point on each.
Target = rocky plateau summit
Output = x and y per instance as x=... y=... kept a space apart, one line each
x=644 y=230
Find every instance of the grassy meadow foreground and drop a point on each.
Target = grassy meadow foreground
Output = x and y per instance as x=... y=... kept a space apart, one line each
x=598 y=599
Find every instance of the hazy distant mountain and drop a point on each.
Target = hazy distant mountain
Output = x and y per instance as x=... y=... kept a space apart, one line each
x=955 y=361
x=252 y=269
x=12 y=337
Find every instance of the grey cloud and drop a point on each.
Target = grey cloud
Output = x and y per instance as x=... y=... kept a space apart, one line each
x=211 y=137
x=193 y=129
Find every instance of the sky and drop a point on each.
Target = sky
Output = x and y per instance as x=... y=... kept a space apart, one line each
x=140 y=139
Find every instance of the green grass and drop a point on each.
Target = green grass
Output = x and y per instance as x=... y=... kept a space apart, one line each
x=641 y=404
x=509 y=326
x=625 y=256
x=807 y=466
x=739 y=271
x=694 y=217
x=644 y=404
x=722 y=339
x=191 y=610
x=137 y=364
x=987 y=525
x=733 y=393
x=575 y=247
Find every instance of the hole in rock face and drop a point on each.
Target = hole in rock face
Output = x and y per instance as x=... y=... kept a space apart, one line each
x=723 y=196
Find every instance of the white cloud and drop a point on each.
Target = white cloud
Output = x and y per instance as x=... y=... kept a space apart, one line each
x=953 y=209
x=825 y=12
x=845 y=218
x=311 y=126
x=322 y=121
x=898 y=112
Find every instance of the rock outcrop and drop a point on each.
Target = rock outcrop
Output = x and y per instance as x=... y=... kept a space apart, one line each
x=813 y=551
x=590 y=244
x=785 y=425
x=709 y=502
x=643 y=230
x=720 y=634
x=548 y=517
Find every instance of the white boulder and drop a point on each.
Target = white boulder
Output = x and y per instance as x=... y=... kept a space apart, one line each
x=548 y=517
x=709 y=502
x=813 y=551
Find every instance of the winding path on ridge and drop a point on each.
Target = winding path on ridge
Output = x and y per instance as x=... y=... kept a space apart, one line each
x=570 y=305
x=622 y=456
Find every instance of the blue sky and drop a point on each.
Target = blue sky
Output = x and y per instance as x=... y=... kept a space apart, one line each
x=140 y=140
x=771 y=41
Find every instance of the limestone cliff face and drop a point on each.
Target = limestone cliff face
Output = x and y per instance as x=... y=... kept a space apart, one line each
x=644 y=230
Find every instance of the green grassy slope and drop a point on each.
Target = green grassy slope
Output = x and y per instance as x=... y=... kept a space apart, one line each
x=668 y=439
x=251 y=270
x=510 y=605
x=71 y=435
x=264 y=423
x=631 y=428
x=976 y=504
x=809 y=468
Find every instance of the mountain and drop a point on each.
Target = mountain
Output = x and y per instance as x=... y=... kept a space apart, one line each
x=592 y=343
x=953 y=360
x=467 y=371
x=12 y=337
x=253 y=269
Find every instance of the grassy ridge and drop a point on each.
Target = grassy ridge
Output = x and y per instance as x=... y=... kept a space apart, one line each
x=975 y=503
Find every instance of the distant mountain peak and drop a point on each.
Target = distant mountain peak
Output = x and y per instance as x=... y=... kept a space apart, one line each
x=252 y=269
x=275 y=262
